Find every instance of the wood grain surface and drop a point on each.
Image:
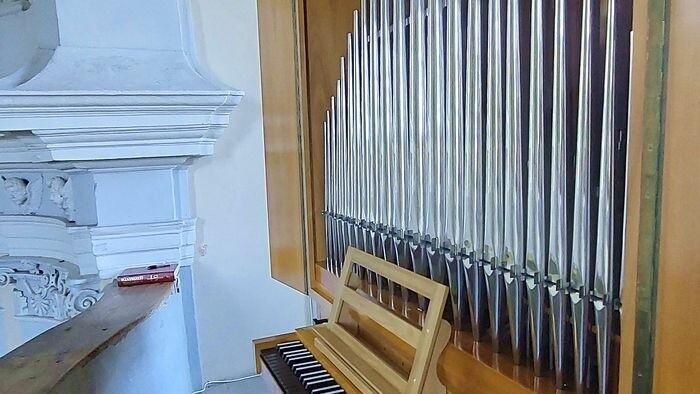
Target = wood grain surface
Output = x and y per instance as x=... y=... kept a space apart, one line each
x=283 y=126
x=52 y=358
x=677 y=347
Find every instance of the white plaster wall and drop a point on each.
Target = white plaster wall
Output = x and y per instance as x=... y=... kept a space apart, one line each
x=235 y=297
x=152 y=358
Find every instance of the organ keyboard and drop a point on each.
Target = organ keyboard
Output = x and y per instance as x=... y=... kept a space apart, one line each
x=296 y=370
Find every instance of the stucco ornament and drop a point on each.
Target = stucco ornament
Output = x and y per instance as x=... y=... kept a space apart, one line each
x=43 y=290
x=24 y=193
x=17 y=189
x=61 y=194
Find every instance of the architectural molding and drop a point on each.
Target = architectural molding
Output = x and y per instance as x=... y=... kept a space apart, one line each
x=44 y=290
x=103 y=250
x=119 y=247
x=101 y=114
x=44 y=237
x=75 y=126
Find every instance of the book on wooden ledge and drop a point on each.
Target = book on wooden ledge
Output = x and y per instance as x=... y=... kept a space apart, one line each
x=149 y=274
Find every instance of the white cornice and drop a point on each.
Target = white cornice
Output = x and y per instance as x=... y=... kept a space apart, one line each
x=74 y=126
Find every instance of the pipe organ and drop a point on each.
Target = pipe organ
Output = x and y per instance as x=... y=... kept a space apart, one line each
x=484 y=145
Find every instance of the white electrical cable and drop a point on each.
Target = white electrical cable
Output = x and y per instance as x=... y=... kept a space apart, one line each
x=207 y=384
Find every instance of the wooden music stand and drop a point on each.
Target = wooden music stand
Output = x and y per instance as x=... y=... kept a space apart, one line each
x=369 y=372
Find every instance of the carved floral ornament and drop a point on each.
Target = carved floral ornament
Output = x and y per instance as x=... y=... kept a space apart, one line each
x=44 y=290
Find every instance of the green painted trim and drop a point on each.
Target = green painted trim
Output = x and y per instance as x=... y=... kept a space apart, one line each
x=651 y=188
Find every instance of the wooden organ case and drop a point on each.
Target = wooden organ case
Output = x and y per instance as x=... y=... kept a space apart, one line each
x=510 y=150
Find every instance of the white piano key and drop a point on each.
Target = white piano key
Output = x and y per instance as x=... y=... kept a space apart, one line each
x=325 y=390
x=287 y=344
x=308 y=375
x=323 y=382
x=323 y=374
x=305 y=366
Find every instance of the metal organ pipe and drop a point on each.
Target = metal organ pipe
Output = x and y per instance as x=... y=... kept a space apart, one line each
x=445 y=156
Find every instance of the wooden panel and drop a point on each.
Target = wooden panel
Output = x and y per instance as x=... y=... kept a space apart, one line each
x=636 y=134
x=298 y=78
x=327 y=24
x=677 y=354
x=325 y=283
x=283 y=127
x=463 y=373
x=401 y=328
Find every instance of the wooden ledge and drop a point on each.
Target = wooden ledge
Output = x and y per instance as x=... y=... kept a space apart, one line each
x=40 y=365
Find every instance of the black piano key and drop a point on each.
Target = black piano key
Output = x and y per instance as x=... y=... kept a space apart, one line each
x=286 y=380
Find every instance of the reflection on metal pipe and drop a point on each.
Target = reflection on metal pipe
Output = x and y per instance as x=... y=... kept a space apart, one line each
x=535 y=260
x=580 y=253
x=558 y=266
x=493 y=212
x=513 y=240
x=473 y=174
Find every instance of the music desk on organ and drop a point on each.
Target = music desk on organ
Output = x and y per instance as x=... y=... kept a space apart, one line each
x=391 y=346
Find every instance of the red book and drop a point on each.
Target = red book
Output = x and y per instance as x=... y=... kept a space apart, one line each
x=145 y=275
